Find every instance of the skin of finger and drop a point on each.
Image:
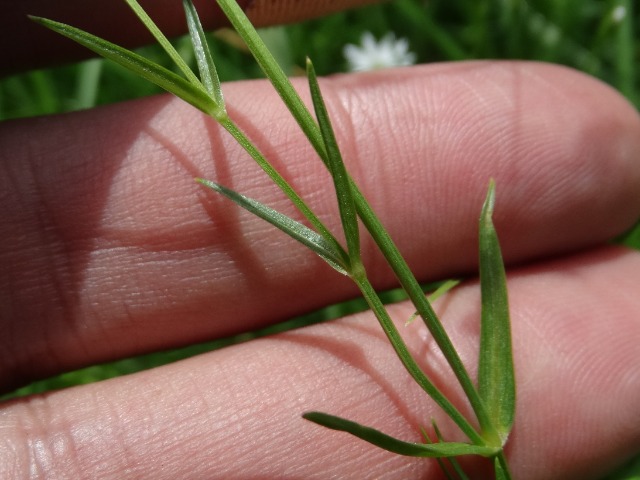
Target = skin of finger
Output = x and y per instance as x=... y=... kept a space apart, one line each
x=35 y=47
x=110 y=249
x=235 y=413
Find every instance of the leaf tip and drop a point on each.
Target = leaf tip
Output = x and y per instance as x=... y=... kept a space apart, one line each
x=207 y=183
x=314 y=417
x=490 y=200
x=45 y=22
x=311 y=71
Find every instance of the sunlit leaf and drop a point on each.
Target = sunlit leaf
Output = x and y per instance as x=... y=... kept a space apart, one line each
x=206 y=66
x=296 y=230
x=382 y=440
x=173 y=83
x=496 y=378
x=341 y=181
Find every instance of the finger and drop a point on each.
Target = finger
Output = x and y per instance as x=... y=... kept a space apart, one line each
x=34 y=47
x=235 y=413
x=109 y=248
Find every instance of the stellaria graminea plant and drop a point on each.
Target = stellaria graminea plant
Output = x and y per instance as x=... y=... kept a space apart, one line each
x=492 y=397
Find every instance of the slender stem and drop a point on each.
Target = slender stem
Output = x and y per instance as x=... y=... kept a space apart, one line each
x=288 y=190
x=407 y=360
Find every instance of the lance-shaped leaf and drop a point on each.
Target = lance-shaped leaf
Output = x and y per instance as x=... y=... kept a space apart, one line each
x=391 y=444
x=296 y=230
x=496 y=378
x=341 y=181
x=193 y=94
x=206 y=67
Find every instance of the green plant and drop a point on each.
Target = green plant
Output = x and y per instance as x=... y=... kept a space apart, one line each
x=493 y=397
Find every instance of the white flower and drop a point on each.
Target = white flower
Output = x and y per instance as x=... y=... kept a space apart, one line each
x=619 y=13
x=373 y=55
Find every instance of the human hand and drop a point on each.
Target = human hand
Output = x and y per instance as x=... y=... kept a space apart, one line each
x=110 y=250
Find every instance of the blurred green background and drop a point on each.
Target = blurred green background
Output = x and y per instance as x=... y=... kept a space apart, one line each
x=595 y=36
x=598 y=37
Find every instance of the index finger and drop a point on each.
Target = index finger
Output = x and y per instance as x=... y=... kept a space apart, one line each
x=35 y=47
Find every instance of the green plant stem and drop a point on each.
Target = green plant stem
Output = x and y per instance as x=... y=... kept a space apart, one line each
x=388 y=248
x=376 y=305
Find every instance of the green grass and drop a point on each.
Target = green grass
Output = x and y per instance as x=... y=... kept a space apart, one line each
x=583 y=34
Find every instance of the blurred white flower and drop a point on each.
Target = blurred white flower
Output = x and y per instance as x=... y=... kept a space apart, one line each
x=619 y=13
x=373 y=55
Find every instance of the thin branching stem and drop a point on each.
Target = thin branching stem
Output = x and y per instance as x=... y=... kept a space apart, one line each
x=396 y=340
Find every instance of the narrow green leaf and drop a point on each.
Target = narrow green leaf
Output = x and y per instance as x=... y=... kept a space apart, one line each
x=206 y=66
x=296 y=230
x=348 y=213
x=382 y=440
x=163 y=41
x=193 y=94
x=496 y=378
